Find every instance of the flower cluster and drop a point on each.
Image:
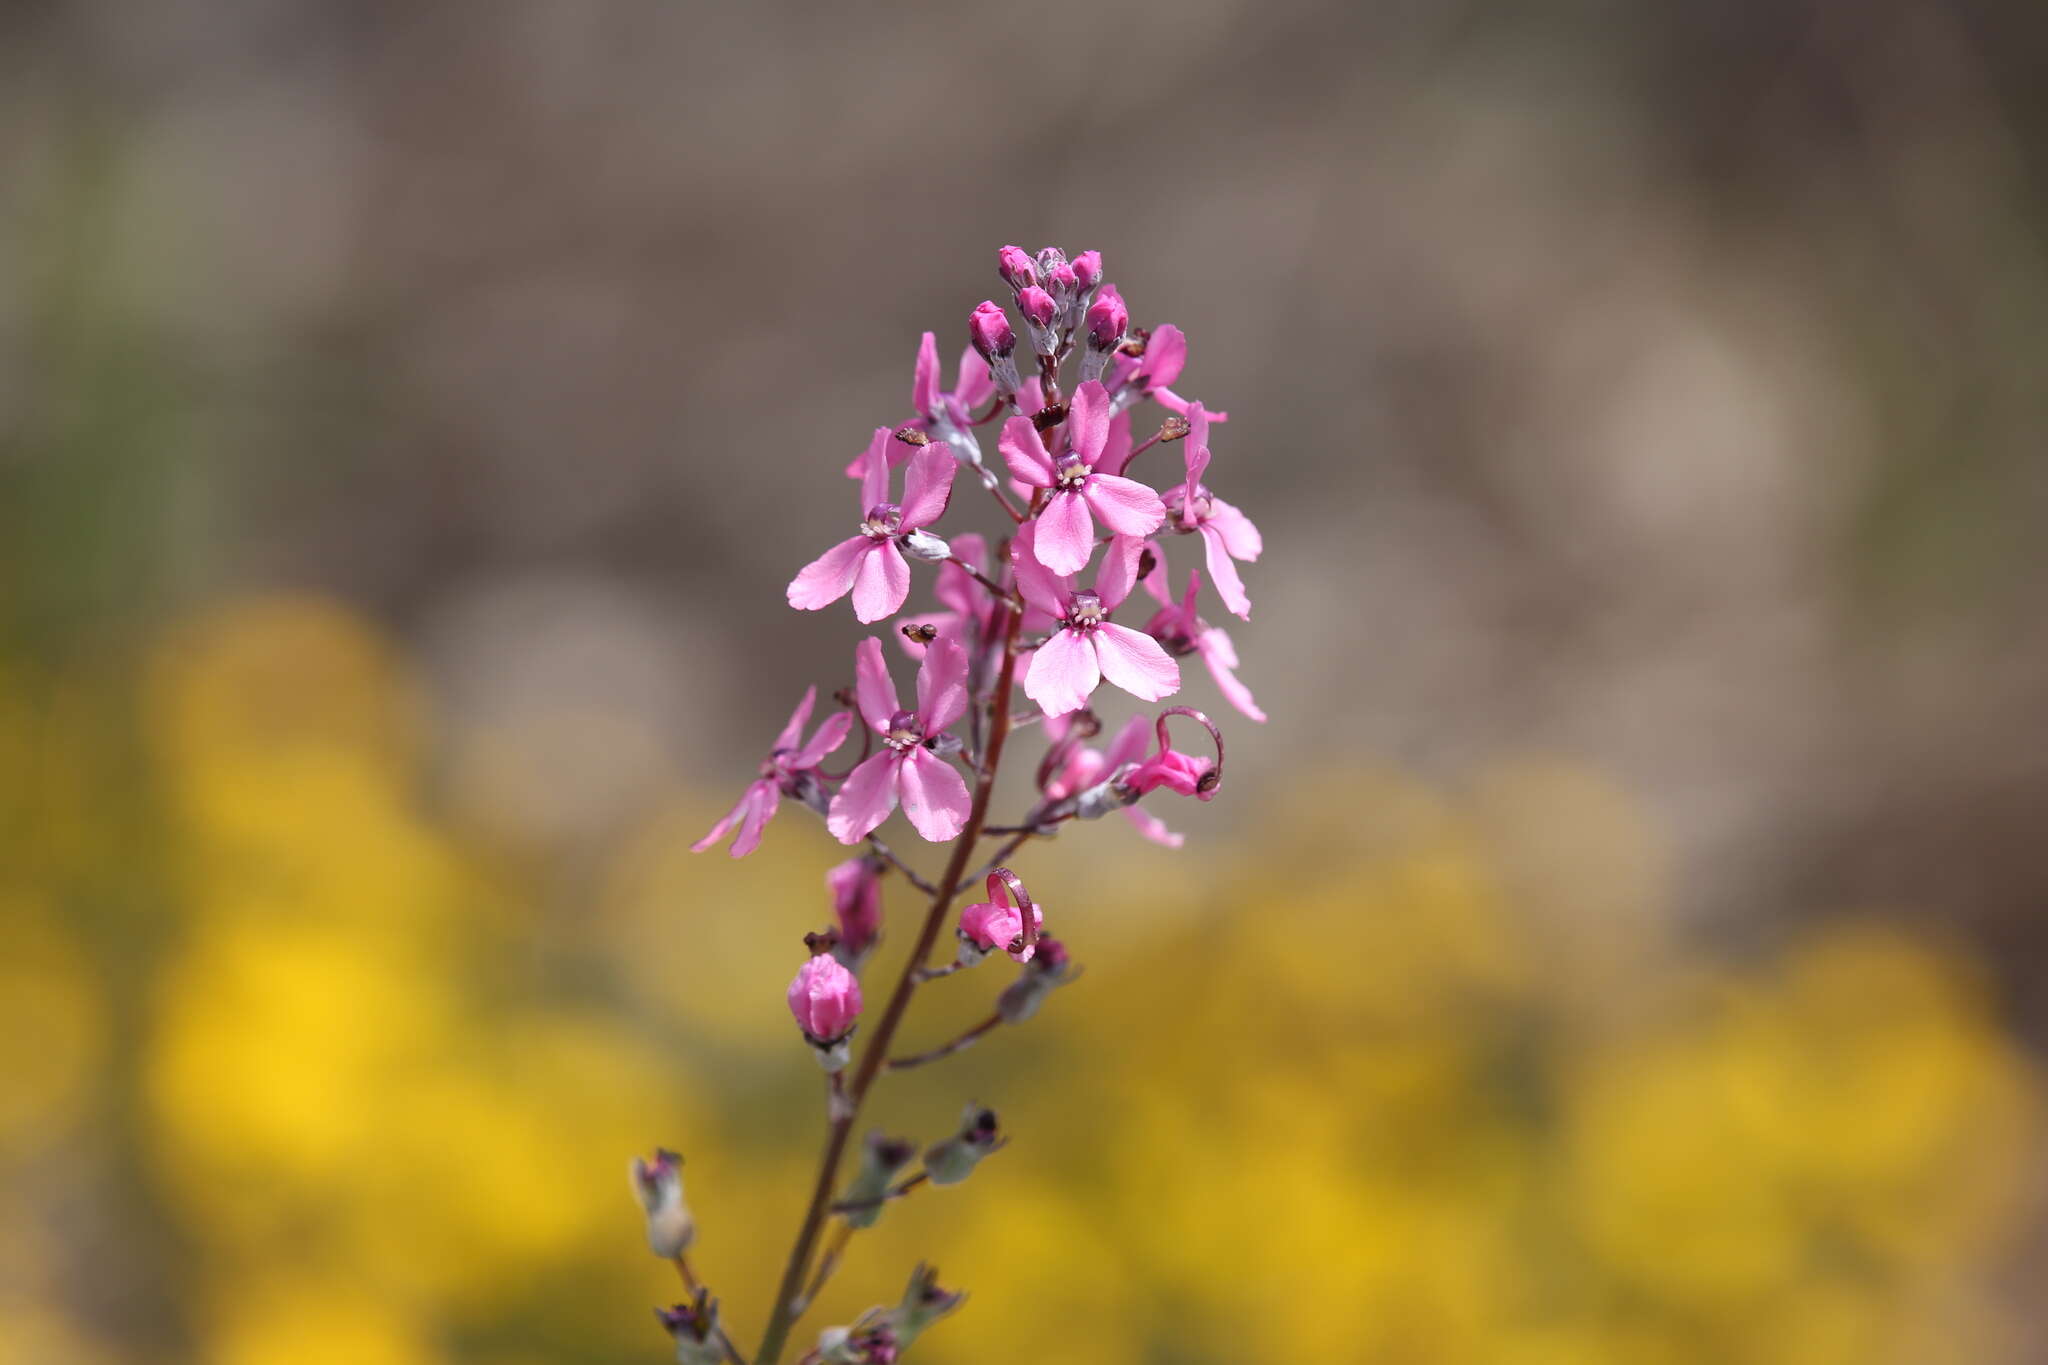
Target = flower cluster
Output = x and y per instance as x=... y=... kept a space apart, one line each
x=1040 y=609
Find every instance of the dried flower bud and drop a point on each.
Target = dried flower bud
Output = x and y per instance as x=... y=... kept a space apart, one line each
x=880 y=1159
x=988 y=328
x=953 y=1160
x=922 y=544
x=1049 y=969
x=1050 y=258
x=659 y=1183
x=871 y=1341
x=825 y=998
x=924 y=1303
x=856 y=887
x=1108 y=319
x=1014 y=265
x=696 y=1330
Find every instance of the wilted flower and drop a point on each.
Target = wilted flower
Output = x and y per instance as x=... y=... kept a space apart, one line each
x=659 y=1183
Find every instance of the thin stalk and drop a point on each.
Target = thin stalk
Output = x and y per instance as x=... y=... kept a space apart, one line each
x=960 y=1044
x=782 y=1313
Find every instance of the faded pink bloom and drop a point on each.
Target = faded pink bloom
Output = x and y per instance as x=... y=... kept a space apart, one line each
x=942 y=415
x=1189 y=774
x=1066 y=528
x=1149 y=375
x=791 y=769
x=1226 y=533
x=933 y=795
x=987 y=928
x=1087 y=647
x=856 y=886
x=1176 y=626
x=870 y=565
x=1082 y=767
x=825 y=998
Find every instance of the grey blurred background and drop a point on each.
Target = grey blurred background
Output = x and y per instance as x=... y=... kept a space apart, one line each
x=1659 y=385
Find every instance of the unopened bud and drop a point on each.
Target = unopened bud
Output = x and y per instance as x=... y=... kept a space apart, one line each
x=1049 y=969
x=924 y=1303
x=1041 y=318
x=825 y=998
x=694 y=1326
x=1088 y=269
x=925 y=546
x=1014 y=265
x=659 y=1183
x=880 y=1159
x=1108 y=319
x=871 y=1341
x=988 y=328
x=953 y=1160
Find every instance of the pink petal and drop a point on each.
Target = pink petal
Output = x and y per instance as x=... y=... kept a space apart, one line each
x=1119 y=571
x=942 y=685
x=1088 y=421
x=865 y=799
x=874 y=476
x=1217 y=652
x=1155 y=582
x=1152 y=827
x=1041 y=588
x=1116 y=451
x=973 y=384
x=1240 y=537
x=767 y=798
x=1223 y=573
x=924 y=379
x=1135 y=662
x=934 y=796
x=1130 y=743
x=1173 y=402
x=1066 y=533
x=741 y=807
x=955 y=588
x=880 y=583
x=1024 y=452
x=873 y=687
x=827 y=578
x=1166 y=354
x=1197 y=456
x=1125 y=506
x=830 y=736
x=928 y=485
x=793 y=733
x=1063 y=673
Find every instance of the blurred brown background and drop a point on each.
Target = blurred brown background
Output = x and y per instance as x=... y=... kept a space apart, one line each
x=1650 y=391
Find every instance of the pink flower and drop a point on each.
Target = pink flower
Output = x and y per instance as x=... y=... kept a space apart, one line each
x=933 y=795
x=870 y=565
x=997 y=924
x=1081 y=767
x=856 y=886
x=791 y=769
x=943 y=416
x=1189 y=774
x=1226 y=533
x=1180 y=631
x=1166 y=355
x=1087 y=648
x=1066 y=530
x=825 y=998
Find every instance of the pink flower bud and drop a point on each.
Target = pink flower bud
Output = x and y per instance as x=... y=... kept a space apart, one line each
x=1108 y=320
x=825 y=998
x=1088 y=269
x=1041 y=318
x=857 y=903
x=1016 y=269
x=988 y=329
x=659 y=1183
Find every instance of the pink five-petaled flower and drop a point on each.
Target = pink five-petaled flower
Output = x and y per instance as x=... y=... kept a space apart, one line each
x=933 y=795
x=1176 y=627
x=791 y=769
x=1087 y=647
x=1226 y=533
x=1082 y=767
x=870 y=565
x=825 y=998
x=1066 y=531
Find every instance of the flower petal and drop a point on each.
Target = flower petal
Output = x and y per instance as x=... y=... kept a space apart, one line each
x=1240 y=537
x=830 y=736
x=865 y=799
x=1135 y=662
x=1066 y=533
x=793 y=733
x=924 y=379
x=873 y=686
x=874 y=476
x=1116 y=451
x=1025 y=453
x=767 y=798
x=829 y=577
x=942 y=685
x=1152 y=827
x=1223 y=573
x=1125 y=506
x=1040 y=587
x=1166 y=354
x=928 y=485
x=1130 y=743
x=732 y=817
x=1088 y=422
x=1217 y=652
x=1063 y=673
x=972 y=384
x=1119 y=571
x=880 y=582
x=934 y=796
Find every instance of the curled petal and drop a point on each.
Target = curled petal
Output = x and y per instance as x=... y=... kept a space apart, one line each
x=865 y=799
x=1063 y=673
x=1135 y=662
x=1066 y=533
x=1125 y=506
x=829 y=577
x=880 y=582
x=934 y=795
x=873 y=686
x=1025 y=453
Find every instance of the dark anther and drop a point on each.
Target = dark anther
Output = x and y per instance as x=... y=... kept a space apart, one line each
x=922 y=633
x=823 y=941
x=911 y=436
x=1045 y=419
x=1147 y=562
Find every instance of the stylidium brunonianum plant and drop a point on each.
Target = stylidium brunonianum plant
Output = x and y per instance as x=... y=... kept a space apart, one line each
x=1015 y=629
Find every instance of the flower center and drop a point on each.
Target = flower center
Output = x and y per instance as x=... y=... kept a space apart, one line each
x=1191 y=512
x=1084 y=609
x=904 y=731
x=883 y=520
x=1071 y=470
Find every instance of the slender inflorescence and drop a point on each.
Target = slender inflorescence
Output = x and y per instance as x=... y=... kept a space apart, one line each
x=1039 y=609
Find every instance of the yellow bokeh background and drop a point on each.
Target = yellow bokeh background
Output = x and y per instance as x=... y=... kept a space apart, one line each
x=299 y=1069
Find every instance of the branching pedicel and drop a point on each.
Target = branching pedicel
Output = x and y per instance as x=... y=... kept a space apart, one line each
x=1030 y=616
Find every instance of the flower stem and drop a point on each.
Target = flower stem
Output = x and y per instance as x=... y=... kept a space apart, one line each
x=960 y=1044
x=782 y=1313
